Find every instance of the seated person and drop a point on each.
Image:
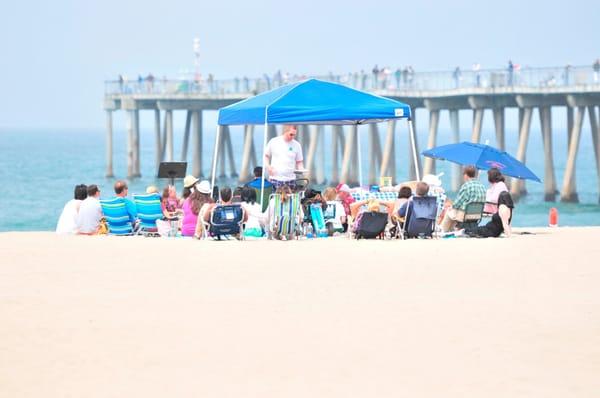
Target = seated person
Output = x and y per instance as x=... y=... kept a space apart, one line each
x=121 y=190
x=199 y=197
x=501 y=220
x=339 y=222
x=170 y=203
x=254 y=223
x=470 y=192
x=151 y=189
x=67 y=222
x=312 y=197
x=403 y=196
x=368 y=205
x=90 y=212
x=344 y=195
x=256 y=182
x=225 y=196
x=497 y=185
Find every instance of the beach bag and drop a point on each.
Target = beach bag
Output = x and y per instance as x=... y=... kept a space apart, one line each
x=370 y=225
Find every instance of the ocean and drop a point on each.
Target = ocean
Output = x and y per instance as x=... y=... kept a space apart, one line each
x=40 y=167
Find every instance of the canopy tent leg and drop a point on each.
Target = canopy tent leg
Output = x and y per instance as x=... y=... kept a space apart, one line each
x=388 y=158
x=413 y=144
x=454 y=126
x=213 y=172
x=262 y=179
x=434 y=119
x=569 y=195
x=245 y=173
x=186 y=136
x=549 y=179
x=518 y=186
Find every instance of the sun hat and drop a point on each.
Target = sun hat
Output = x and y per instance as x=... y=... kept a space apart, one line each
x=204 y=187
x=342 y=188
x=189 y=181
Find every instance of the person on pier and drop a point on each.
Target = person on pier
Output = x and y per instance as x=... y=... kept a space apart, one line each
x=283 y=156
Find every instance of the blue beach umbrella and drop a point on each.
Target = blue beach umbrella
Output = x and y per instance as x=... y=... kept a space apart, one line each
x=484 y=157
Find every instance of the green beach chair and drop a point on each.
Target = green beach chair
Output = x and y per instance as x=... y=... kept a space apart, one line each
x=285 y=220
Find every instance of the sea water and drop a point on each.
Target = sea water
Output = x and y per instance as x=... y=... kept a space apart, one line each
x=39 y=169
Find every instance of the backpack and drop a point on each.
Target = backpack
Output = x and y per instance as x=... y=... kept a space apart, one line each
x=226 y=220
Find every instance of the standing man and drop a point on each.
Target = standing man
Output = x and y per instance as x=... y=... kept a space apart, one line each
x=283 y=155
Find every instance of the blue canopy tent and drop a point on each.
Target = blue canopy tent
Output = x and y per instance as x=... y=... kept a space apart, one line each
x=313 y=102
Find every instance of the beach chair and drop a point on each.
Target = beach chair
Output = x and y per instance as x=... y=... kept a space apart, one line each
x=117 y=218
x=472 y=216
x=318 y=219
x=267 y=192
x=149 y=210
x=371 y=225
x=286 y=217
x=225 y=221
x=421 y=215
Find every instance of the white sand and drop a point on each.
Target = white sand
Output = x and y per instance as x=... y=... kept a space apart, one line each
x=144 y=317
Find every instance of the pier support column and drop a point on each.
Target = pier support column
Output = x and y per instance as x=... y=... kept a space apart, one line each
x=595 y=130
x=518 y=186
x=109 y=144
x=456 y=177
x=570 y=119
x=388 y=158
x=477 y=122
x=498 y=114
x=375 y=153
x=169 y=135
x=412 y=175
x=197 y=144
x=157 y=140
x=312 y=140
x=549 y=178
x=320 y=161
x=348 y=162
x=271 y=132
x=130 y=143
x=338 y=146
x=245 y=173
x=186 y=136
x=568 y=193
x=136 y=144
x=228 y=148
x=434 y=119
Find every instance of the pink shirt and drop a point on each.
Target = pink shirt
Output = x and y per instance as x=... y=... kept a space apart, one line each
x=491 y=197
x=188 y=225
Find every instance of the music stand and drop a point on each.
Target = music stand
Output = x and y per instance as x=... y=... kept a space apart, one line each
x=172 y=170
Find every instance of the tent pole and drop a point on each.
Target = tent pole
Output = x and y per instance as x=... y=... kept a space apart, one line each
x=414 y=148
x=360 y=179
x=215 y=155
x=262 y=177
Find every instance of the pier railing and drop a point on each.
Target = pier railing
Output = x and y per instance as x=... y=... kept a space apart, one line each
x=386 y=80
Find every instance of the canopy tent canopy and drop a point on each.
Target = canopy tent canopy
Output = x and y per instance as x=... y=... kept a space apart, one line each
x=313 y=101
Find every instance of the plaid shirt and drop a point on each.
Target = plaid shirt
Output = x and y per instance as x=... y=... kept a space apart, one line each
x=471 y=191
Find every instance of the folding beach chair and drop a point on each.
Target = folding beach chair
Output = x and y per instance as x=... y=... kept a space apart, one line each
x=371 y=225
x=472 y=216
x=149 y=210
x=421 y=215
x=318 y=219
x=267 y=192
x=286 y=217
x=117 y=217
x=225 y=221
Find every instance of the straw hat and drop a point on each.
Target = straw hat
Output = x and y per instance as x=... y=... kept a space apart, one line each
x=189 y=181
x=204 y=187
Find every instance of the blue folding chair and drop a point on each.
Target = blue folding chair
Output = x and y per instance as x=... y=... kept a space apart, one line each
x=117 y=217
x=149 y=210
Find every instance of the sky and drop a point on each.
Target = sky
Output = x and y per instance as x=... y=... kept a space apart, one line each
x=56 y=55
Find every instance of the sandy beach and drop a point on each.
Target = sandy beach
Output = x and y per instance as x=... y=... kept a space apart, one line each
x=147 y=317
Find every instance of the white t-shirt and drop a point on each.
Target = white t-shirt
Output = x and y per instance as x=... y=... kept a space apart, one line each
x=89 y=216
x=67 y=222
x=284 y=156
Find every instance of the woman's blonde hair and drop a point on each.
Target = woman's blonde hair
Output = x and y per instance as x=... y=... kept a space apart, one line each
x=329 y=194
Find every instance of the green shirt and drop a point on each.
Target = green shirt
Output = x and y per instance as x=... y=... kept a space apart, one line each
x=471 y=191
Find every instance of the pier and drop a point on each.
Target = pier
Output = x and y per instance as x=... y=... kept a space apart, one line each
x=533 y=91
